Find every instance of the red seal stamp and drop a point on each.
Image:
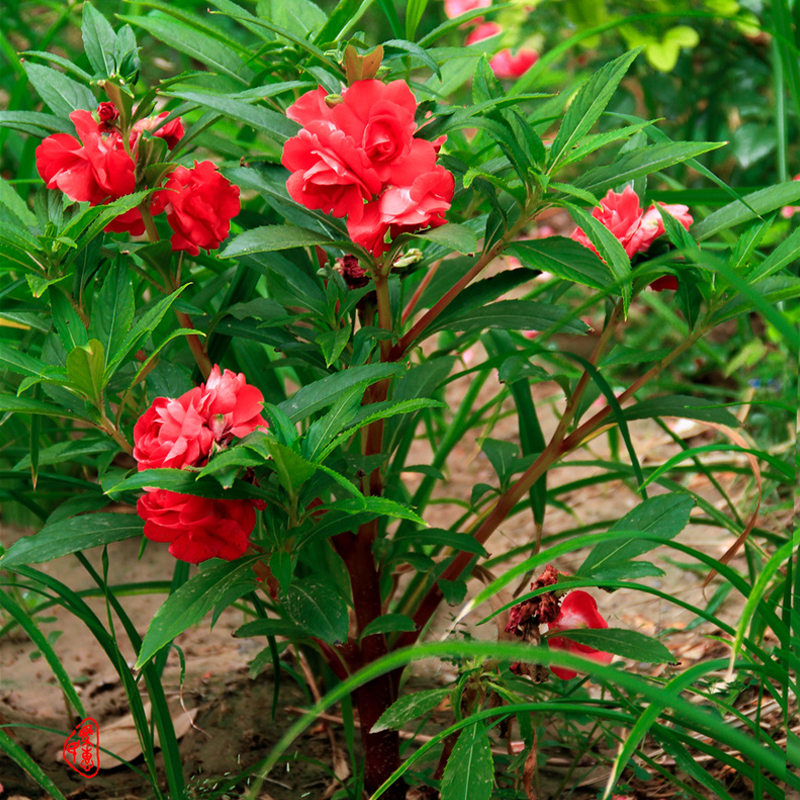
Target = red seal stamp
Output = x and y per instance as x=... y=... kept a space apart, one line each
x=82 y=748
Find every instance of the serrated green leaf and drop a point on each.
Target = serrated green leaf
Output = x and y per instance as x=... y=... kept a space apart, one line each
x=409 y=707
x=455 y=237
x=565 y=258
x=762 y=202
x=85 y=370
x=332 y=343
x=99 y=40
x=664 y=516
x=318 y=608
x=61 y=93
x=681 y=406
x=113 y=312
x=511 y=315
x=71 y=536
x=325 y=392
x=192 y=601
x=389 y=623
x=588 y=104
x=469 y=773
x=269 y=238
x=610 y=250
x=620 y=642
x=642 y=161
x=292 y=469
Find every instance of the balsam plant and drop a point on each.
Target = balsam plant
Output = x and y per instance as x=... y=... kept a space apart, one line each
x=235 y=298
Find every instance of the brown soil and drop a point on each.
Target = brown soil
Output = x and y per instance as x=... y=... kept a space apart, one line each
x=234 y=728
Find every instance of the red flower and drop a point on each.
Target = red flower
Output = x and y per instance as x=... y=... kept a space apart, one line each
x=455 y=8
x=652 y=225
x=330 y=172
x=197 y=528
x=578 y=610
x=421 y=194
x=668 y=282
x=172 y=132
x=107 y=112
x=622 y=215
x=93 y=168
x=173 y=433
x=129 y=222
x=507 y=65
x=200 y=204
x=504 y=64
x=231 y=405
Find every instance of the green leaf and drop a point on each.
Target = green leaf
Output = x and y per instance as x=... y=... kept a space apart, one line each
x=610 y=250
x=511 y=315
x=642 y=161
x=787 y=252
x=71 y=536
x=681 y=406
x=469 y=773
x=325 y=392
x=99 y=41
x=24 y=405
x=269 y=238
x=300 y=16
x=389 y=623
x=762 y=202
x=281 y=564
x=35 y=122
x=14 y=203
x=20 y=756
x=409 y=707
x=589 y=103
x=318 y=609
x=61 y=93
x=455 y=237
x=112 y=314
x=665 y=516
x=141 y=330
x=332 y=343
x=292 y=469
x=216 y=55
x=66 y=321
x=454 y=591
x=565 y=258
x=27 y=622
x=85 y=370
x=382 y=506
x=192 y=601
x=17 y=361
x=439 y=537
x=276 y=126
x=271 y=627
x=628 y=644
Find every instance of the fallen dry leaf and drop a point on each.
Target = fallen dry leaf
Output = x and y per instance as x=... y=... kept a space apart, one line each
x=120 y=737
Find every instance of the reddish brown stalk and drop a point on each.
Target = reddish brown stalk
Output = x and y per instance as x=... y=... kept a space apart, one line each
x=195 y=344
x=423 y=285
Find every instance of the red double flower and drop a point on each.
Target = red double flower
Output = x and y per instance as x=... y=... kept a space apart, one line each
x=357 y=157
x=97 y=168
x=184 y=432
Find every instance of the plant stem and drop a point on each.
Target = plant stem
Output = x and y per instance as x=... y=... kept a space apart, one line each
x=114 y=433
x=400 y=349
x=195 y=343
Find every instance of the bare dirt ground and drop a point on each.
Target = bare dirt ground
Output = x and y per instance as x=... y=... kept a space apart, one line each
x=233 y=724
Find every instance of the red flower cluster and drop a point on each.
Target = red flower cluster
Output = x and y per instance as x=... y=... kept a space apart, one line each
x=635 y=228
x=184 y=432
x=504 y=64
x=357 y=157
x=98 y=167
x=578 y=610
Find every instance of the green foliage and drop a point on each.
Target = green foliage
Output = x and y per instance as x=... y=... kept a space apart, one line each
x=366 y=374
